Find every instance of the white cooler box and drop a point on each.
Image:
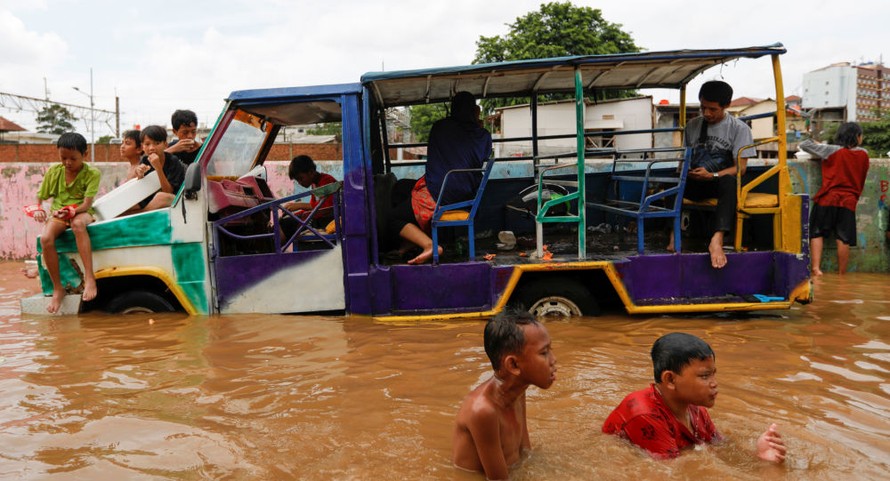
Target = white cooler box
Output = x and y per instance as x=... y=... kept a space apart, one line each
x=125 y=196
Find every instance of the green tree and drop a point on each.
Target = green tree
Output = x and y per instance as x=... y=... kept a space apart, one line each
x=105 y=139
x=876 y=137
x=55 y=119
x=556 y=30
x=423 y=117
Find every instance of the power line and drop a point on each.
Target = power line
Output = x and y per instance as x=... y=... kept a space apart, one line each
x=19 y=103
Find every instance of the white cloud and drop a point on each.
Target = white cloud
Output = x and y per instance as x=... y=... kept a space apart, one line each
x=160 y=56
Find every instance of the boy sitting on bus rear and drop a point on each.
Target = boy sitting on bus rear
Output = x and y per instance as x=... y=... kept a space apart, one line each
x=844 y=167
x=72 y=185
x=171 y=171
x=671 y=414
x=131 y=151
x=490 y=432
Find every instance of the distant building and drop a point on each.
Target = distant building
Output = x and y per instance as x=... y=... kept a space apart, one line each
x=8 y=126
x=844 y=92
x=603 y=117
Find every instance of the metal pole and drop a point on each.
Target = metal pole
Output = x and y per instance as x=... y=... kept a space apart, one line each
x=92 y=121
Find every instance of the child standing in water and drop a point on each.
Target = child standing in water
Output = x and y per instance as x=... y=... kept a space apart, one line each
x=490 y=432
x=72 y=185
x=844 y=167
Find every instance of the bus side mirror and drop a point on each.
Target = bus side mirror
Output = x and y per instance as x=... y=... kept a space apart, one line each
x=192 y=181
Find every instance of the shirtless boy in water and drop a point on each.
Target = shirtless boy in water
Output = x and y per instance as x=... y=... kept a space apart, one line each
x=490 y=432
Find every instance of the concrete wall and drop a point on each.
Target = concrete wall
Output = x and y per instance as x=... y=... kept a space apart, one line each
x=19 y=182
x=111 y=153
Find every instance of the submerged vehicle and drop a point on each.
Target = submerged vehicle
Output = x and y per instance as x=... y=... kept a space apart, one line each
x=589 y=228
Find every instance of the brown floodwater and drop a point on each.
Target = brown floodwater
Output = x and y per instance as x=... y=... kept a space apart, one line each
x=264 y=397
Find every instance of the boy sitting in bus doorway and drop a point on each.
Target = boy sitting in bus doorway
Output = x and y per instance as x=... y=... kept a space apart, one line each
x=719 y=137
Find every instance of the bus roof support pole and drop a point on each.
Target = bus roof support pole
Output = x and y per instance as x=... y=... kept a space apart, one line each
x=534 y=111
x=582 y=191
x=682 y=109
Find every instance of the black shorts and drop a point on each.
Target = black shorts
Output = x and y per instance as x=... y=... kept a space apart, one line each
x=827 y=220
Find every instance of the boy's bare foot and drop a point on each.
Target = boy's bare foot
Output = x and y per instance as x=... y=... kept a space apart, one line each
x=89 y=290
x=58 y=295
x=817 y=272
x=425 y=256
x=718 y=257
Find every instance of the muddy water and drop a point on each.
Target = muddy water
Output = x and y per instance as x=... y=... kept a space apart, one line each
x=283 y=397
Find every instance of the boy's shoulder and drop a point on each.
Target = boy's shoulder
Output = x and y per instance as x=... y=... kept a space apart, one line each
x=642 y=402
x=91 y=169
x=478 y=401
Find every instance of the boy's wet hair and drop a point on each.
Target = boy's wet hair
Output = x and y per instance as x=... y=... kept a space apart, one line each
x=848 y=135
x=716 y=91
x=183 y=117
x=503 y=334
x=74 y=141
x=671 y=352
x=154 y=132
x=133 y=135
x=300 y=164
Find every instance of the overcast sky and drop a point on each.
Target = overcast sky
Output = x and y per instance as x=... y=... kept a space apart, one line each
x=160 y=55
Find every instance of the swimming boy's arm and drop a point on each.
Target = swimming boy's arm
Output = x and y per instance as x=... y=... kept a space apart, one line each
x=771 y=446
x=484 y=427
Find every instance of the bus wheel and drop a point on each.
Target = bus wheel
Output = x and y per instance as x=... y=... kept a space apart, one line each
x=557 y=296
x=136 y=302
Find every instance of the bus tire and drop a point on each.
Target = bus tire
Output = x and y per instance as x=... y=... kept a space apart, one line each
x=556 y=296
x=139 y=302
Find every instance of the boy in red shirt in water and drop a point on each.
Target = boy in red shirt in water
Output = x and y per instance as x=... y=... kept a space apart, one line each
x=671 y=414
x=844 y=167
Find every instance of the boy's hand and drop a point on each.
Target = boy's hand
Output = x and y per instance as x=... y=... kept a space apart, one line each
x=700 y=173
x=185 y=145
x=141 y=170
x=36 y=212
x=65 y=213
x=155 y=161
x=770 y=446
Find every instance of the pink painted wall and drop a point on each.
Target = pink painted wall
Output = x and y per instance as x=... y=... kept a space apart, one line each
x=19 y=182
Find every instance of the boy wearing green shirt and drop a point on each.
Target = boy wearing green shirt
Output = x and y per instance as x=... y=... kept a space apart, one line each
x=72 y=185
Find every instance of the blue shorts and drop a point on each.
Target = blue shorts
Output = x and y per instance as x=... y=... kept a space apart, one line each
x=827 y=220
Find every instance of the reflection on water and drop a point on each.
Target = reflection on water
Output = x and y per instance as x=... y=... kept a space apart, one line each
x=285 y=397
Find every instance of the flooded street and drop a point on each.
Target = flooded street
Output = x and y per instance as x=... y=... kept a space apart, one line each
x=269 y=397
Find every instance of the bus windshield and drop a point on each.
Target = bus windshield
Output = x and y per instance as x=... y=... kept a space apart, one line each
x=239 y=146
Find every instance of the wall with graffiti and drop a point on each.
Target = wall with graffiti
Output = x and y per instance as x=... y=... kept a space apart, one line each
x=19 y=183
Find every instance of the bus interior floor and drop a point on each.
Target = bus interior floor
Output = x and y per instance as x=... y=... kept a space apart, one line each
x=561 y=246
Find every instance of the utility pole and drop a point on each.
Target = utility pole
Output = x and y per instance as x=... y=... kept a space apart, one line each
x=92 y=118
